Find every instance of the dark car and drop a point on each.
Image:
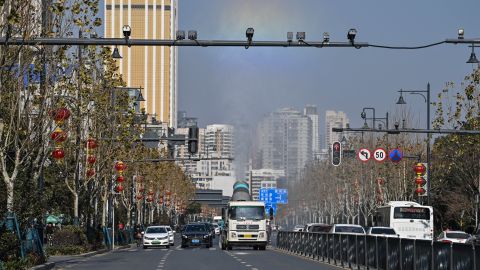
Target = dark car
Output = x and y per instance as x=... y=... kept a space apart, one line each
x=197 y=234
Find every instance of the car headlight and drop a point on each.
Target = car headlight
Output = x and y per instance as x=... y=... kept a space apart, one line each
x=184 y=236
x=163 y=238
x=206 y=236
x=261 y=234
x=149 y=238
x=233 y=235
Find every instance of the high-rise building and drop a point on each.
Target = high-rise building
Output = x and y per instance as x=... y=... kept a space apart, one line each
x=284 y=140
x=311 y=112
x=152 y=68
x=334 y=119
x=184 y=121
x=263 y=178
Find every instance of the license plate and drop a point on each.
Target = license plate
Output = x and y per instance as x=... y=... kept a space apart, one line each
x=247 y=236
x=155 y=242
x=195 y=241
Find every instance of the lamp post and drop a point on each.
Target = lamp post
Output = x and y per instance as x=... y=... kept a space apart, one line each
x=384 y=120
x=402 y=101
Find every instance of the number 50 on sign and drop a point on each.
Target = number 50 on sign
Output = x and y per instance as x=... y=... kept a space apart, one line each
x=379 y=154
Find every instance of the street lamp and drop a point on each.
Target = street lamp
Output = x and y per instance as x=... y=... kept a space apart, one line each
x=402 y=101
x=384 y=120
x=473 y=58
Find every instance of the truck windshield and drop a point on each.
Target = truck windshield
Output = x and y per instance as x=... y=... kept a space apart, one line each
x=247 y=212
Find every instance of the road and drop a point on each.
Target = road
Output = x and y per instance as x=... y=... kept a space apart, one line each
x=192 y=258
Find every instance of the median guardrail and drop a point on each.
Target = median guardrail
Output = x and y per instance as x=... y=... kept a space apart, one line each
x=376 y=252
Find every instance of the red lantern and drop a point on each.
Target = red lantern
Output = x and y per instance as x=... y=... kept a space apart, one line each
x=61 y=114
x=120 y=179
x=141 y=190
x=419 y=169
x=58 y=153
x=420 y=191
x=139 y=197
x=420 y=181
x=120 y=166
x=91 y=143
x=149 y=199
x=58 y=135
x=90 y=172
x=160 y=201
x=119 y=188
x=91 y=160
x=150 y=193
x=168 y=193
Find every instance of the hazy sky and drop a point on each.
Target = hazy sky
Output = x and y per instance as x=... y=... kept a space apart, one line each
x=234 y=85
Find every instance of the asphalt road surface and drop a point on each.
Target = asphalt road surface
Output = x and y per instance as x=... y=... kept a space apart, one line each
x=192 y=258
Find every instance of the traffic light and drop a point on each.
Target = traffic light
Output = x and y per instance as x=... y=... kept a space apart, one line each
x=193 y=140
x=421 y=179
x=336 y=153
x=270 y=212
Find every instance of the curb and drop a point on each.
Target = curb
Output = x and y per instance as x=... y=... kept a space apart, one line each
x=51 y=265
x=45 y=266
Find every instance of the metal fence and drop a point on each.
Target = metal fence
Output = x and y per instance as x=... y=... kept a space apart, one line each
x=371 y=252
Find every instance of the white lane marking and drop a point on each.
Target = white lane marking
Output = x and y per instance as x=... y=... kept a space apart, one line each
x=212 y=249
x=248 y=265
x=254 y=268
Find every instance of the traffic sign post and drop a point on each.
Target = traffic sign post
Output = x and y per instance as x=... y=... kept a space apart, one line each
x=272 y=206
x=379 y=154
x=364 y=155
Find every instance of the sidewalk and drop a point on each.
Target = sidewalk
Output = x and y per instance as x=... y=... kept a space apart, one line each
x=52 y=260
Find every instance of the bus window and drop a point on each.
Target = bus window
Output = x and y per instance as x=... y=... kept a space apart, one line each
x=411 y=213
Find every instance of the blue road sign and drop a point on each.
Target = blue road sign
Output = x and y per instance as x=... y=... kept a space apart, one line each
x=395 y=155
x=273 y=195
x=271 y=205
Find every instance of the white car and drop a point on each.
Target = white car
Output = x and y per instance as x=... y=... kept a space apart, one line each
x=347 y=229
x=382 y=231
x=171 y=234
x=298 y=228
x=217 y=228
x=156 y=236
x=453 y=237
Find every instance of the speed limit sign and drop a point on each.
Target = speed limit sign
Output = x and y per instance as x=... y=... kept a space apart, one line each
x=379 y=154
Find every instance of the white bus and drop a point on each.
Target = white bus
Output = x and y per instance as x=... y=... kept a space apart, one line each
x=409 y=219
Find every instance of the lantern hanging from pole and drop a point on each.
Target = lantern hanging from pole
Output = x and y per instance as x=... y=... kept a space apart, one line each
x=90 y=172
x=58 y=154
x=91 y=159
x=91 y=143
x=120 y=166
x=60 y=115
x=58 y=136
x=120 y=179
x=139 y=197
x=119 y=188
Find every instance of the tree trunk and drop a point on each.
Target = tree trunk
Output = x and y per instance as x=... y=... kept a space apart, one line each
x=104 y=212
x=75 y=208
x=9 y=184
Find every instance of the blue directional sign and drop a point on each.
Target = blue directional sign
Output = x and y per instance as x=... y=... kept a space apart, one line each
x=271 y=205
x=274 y=195
x=395 y=155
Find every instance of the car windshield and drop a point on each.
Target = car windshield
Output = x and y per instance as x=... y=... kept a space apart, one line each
x=320 y=228
x=247 y=212
x=156 y=230
x=383 y=231
x=195 y=228
x=458 y=235
x=349 y=229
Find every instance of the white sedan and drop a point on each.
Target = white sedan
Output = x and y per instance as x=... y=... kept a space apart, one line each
x=156 y=236
x=453 y=237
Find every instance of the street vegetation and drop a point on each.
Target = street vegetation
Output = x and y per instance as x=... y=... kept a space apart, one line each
x=65 y=121
x=352 y=191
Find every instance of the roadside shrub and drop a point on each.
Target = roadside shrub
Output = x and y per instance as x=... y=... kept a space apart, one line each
x=9 y=246
x=69 y=236
x=67 y=250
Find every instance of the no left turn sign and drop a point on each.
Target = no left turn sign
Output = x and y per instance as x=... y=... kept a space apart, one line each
x=379 y=154
x=364 y=154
